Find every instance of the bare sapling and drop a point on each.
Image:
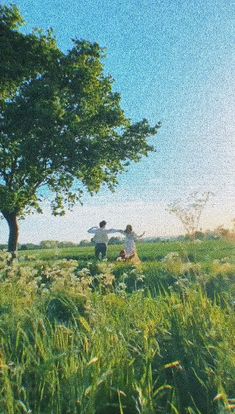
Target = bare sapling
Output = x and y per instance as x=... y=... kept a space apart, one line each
x=189 y=211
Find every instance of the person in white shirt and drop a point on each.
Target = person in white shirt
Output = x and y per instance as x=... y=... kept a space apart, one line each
x=101 y=238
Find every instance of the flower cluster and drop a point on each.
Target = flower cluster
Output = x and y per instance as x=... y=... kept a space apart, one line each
x=41 y=277
x=222 y=267
x=171 y=257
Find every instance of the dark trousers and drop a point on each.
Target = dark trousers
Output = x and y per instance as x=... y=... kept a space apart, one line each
x=100 y=249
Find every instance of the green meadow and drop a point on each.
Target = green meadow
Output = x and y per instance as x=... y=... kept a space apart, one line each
x=202 y=252
x=86 y=337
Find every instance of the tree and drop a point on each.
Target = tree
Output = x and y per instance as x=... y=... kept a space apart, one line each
x=189 y=211
x=115 y=240
x=84 y=243
x=64 y=244
x=29 y=246
x=49 y=244
x=222 y=232
x=62 y=130
x=22 y=56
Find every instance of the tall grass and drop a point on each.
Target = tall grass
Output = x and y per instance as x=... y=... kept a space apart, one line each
x=116 y=339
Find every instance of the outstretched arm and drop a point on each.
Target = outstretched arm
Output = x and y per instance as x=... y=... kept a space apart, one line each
x=115 y=231
x=139 y=236
x=92 y=229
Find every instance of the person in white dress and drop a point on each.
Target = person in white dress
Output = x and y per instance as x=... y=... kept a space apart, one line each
x=129 y=242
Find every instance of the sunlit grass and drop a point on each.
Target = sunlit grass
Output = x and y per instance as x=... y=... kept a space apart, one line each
x=94 y=338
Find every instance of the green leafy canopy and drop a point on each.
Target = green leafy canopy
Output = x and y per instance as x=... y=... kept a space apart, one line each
x=61 y=123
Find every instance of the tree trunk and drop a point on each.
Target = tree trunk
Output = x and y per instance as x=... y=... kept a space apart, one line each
x=11 y=219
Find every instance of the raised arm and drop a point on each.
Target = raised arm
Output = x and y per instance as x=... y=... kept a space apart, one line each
x=92 y=229
x=136 y=236
x=141 y=235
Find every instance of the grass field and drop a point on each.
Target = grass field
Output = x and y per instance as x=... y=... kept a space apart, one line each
x=86 y=337
x=206 y=251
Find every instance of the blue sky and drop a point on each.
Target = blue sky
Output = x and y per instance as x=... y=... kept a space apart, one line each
x=172 y=60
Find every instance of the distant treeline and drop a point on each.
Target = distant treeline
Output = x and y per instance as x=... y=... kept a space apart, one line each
x=220 y=232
